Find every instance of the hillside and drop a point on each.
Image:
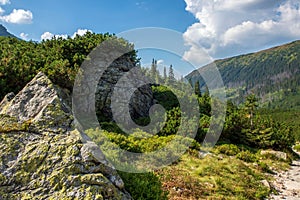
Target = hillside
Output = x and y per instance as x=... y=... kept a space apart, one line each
x=272 y=74
x=4 y=32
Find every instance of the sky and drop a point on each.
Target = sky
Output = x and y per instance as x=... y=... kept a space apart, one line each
x=210 y=29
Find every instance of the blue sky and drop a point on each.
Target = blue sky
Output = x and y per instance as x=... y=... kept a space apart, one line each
x=209 y=28
x=66 y=16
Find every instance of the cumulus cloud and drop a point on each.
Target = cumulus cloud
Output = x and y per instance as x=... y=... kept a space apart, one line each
x=4 y=2
x=229 y=27
x=24 y=36
x=49 y=36
x=18 y=16
x=81 y=32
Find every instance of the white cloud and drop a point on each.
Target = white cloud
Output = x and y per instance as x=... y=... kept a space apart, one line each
x=4 y=2
x=18 y=16
x=49 y=36
x=228 y=27
x=160 y=62
x=80 y=32
x=24 y=36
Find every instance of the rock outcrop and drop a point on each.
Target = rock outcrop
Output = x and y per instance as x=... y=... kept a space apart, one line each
x=43 y=156
x=142 y=98
x=109 y=69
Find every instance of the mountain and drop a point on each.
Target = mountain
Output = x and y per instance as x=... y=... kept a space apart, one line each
x=272 y=74
x=4 y=32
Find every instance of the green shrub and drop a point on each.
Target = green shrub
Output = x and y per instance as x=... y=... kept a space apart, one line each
x=264 y=167
x=228 y=149
x=297 y=147
x=146 y=186
x=247 y=156
x=111 y=127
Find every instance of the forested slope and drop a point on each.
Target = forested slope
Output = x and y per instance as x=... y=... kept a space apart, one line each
x=272 y=74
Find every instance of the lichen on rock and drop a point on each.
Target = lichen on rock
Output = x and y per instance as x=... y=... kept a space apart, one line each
x=43 y=156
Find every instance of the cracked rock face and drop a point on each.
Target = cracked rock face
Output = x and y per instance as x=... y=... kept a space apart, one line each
x=43 y=156
x=141 y=100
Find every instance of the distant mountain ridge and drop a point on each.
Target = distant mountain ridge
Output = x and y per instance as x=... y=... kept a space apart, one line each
x=272 y=74
x=4 y=32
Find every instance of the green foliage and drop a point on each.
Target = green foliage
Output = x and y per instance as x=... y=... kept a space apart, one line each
x=197 y=89
x=58 y=58
x=245 y=125
x=250 y=106
x=228 y=149
x=290 y=118
x=165 y=97
x=139 y=141
x=265 y=167
x=247 y=156
x=146 y=186
x=171 y=78
x=173 y=122
x=111 y=127
x=297 y=147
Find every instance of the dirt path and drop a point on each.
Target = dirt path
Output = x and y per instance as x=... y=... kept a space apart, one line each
x=288 y=183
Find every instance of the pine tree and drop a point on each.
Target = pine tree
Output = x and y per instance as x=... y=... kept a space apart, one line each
x=171 y=78
x=251 y=105
x=153 y=70
x=197 y=88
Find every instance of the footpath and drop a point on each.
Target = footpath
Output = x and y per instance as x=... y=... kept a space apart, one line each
x=287 y=183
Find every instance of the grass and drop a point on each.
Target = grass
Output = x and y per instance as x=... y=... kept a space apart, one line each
x=229 y=172
x=219 y=176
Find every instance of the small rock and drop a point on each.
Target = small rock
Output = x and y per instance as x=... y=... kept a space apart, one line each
x=278 y=154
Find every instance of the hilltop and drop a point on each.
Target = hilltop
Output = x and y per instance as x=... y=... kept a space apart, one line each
x=4 y=32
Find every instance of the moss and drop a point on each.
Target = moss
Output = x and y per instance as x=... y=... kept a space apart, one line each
x=2 y=179
x=22 y=177
x=54 y=117
x=50 y=165
x=94 y=179
x=98 y=197
x=27 y=196
x=10 y=124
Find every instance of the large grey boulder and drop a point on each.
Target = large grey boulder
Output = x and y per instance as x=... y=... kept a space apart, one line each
x=100 y=77
x=42 y=103
x=43 y=156
x=140 y=100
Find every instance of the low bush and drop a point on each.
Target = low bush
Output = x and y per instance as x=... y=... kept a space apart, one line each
x=146 y=186
x=247 y=156
x=297 y=147
x=228 y=149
